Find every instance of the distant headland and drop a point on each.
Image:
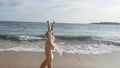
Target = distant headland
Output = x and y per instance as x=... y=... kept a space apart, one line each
x=111 y=23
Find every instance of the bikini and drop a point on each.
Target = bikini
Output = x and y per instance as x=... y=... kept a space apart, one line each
x=51 y=38
x=48 y=48
x=49 y=45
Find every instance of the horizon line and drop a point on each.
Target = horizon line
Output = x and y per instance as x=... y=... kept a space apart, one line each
x=61 y=22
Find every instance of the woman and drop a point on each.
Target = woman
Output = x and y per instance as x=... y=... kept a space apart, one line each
x=48 y=47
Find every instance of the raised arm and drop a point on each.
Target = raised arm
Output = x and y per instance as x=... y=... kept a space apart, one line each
x=48 y=26
x=52 y=30
x=52 y=25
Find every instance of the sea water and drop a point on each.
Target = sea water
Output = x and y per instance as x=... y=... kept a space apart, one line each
x=71 y=37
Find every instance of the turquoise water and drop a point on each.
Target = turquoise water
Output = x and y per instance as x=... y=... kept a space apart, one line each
x=73 y=38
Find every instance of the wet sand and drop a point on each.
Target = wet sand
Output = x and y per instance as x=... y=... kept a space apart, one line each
x=11 y=59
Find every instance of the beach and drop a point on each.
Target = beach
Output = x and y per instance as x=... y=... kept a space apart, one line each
x=84 y=45
x=12 y=59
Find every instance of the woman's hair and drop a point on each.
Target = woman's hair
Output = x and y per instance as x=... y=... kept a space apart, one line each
x=46 y=33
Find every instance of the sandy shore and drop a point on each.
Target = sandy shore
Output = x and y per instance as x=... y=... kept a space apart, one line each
x=10 y=59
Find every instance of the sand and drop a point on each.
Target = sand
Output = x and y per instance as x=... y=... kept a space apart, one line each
x=11 y=59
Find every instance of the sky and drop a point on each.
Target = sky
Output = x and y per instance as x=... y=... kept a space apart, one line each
x=65 y=11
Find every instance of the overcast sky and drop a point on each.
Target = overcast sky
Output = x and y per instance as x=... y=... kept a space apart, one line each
x=69 y=11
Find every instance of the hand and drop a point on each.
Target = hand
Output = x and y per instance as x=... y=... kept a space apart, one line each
x=47 y=21
x=53 y=22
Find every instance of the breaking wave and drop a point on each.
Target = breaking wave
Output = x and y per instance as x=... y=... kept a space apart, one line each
x=68 y=43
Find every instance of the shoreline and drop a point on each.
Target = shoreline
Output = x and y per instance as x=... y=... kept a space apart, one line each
x=12 y=59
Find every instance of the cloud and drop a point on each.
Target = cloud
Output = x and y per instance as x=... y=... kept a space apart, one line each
x=59 y=9
x=39 y=5
x=17 y=5
x=14 y=3
x=10 y=3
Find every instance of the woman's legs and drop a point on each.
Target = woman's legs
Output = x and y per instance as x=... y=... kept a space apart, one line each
x=50 y=65
x=45 y=63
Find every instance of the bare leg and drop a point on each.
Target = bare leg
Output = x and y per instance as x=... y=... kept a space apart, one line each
x=50 y=65
x=45 y=63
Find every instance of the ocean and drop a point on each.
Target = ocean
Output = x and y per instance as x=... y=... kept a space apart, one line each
x=71 y=37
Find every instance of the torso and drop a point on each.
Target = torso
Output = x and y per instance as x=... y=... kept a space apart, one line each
x=48 y=47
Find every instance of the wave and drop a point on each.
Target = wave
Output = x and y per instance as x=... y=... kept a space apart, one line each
x=69 y=44
x=71 y=37
x=20 y=37
x=42 y=37
x=62 y=37
x=68 y=38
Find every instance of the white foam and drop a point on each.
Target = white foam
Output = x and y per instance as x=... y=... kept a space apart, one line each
x=24 y=38
x=23 y=49
x=91 y=49
x=80 y=49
